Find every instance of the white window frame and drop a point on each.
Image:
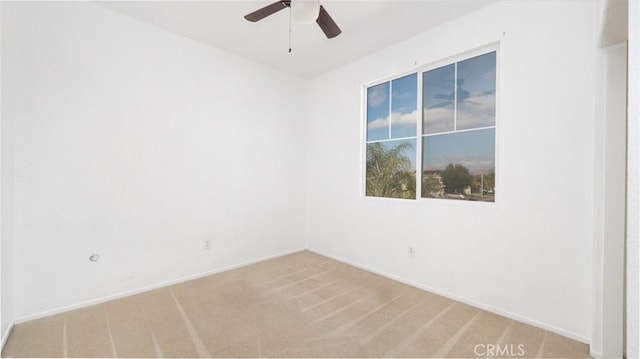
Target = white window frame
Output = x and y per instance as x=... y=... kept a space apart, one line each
x=420 y=70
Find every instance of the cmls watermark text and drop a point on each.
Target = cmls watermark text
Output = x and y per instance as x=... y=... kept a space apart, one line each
x=499 y=350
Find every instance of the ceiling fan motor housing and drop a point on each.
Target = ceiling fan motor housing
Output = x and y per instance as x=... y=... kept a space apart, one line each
x=310 y=8
x=305 y=11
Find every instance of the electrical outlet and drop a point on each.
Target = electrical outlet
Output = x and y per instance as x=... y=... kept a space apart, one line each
x=411 y=251
x=207 y=244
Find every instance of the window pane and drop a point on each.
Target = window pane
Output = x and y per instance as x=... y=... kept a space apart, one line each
x=459 y=165
x=378 y=112
x=438 y=96
x=477 y=92
x=404 y=112
x=391 y=169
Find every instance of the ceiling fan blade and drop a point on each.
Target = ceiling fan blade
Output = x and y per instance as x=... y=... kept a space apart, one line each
x=267 y=10
x=327 y=24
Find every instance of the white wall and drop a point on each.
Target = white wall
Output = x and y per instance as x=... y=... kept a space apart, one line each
x=633 y=185
x=139 y=145
x=529 y=255
x=6 y=215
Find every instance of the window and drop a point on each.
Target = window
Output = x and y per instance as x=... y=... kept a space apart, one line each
x=392 y=117
x=457 y=124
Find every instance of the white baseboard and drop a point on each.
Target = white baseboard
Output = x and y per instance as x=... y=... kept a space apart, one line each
x=474 y=303
x=458 y=298
x=6 y=334
x=595 y=355
x=148 y=288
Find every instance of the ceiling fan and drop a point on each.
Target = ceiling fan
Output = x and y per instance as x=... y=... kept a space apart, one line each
x=321 y=16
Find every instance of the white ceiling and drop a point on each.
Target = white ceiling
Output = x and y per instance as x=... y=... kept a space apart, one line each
x=367 y=27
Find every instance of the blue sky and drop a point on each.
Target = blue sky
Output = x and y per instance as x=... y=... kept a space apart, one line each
x=477 y=92
x=377 y=109
x=476 y=88
x=438 y=97
x=404 y=103
x=401 y=122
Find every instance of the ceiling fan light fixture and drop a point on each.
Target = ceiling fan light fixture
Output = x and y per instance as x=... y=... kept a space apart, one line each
x=305 y=11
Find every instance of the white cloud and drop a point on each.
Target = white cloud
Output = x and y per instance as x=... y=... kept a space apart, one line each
x=478 y=110
x=397 y=118
x=403 y=95
x=404 y=119
x=377 y=95
x=490 y=75
x=378 y=124
x=438 y=119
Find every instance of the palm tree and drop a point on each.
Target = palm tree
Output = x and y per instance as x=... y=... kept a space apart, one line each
x=389 y=171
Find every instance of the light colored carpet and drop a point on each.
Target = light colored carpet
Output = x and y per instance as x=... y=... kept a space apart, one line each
x=300 y=305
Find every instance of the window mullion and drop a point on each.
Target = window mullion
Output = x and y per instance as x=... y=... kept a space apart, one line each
x=420 y=121
x=390 y=100
x=455 y=97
